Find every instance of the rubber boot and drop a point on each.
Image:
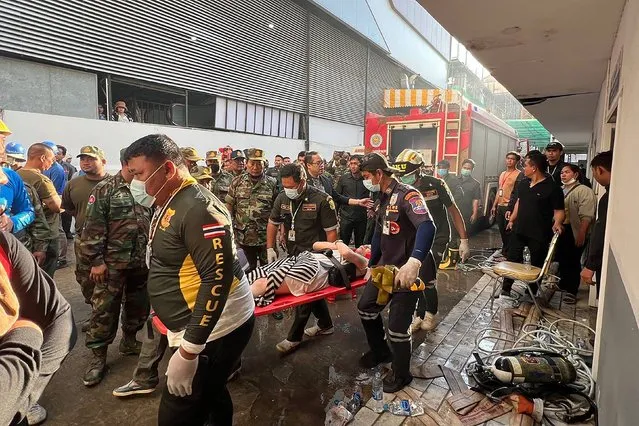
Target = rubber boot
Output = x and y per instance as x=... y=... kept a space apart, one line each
x=97 y=367
x=401 y=368
x=129 y=345
x=451 y=259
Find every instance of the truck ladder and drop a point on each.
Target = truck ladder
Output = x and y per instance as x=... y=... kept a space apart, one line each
x=453 y=124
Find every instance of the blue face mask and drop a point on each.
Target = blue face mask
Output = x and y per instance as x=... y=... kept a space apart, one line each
x=466 y=172
x=442 y=172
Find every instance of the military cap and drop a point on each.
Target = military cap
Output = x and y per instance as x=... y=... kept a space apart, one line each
x=374 y=161
x=256 y=154
x=189 y=153
x=202 y=173
x=212 y=155
x=92 y=151
x=237 y=154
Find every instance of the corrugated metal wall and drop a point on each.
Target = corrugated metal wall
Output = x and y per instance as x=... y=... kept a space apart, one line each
x=224 y=47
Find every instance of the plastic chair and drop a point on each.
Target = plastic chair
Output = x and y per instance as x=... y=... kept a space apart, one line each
x=526 y=273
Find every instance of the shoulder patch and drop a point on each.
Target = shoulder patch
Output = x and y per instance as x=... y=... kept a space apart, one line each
x=411 y=194
x=91 y=199
x=331 y=203
x=417 y=204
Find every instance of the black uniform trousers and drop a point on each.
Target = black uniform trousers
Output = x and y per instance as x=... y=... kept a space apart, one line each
x=254 y=254
x=538 y=252
x=400 y=316
x=303 y=313
x=569 y=257
x=501 y=223
x=210 y=401
x=349 y=226
x=428 y=300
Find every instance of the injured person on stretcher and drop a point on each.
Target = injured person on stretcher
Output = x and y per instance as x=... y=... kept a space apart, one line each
x=306 y=272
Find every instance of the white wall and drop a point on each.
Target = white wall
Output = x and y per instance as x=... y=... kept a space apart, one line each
x=408 y=47
x=327 y=136
x=73 y=133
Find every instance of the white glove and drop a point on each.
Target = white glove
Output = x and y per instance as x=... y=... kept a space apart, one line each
x=271 y=255
x=408 y=273
x=464 y=249
x=180 y=373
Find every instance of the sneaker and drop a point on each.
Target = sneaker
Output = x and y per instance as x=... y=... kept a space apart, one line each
x=395 y=384
x=416 y=325
x=235 y=373
x=132 y=388
x=36 y=414
x=317 y=331
x=97 y=367
x=371 y=360
x=286 y=346
x=429 y=323
x=130 y=346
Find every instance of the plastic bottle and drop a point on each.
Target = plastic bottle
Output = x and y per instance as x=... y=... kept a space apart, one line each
x=405 y=407
x=378 y=393
x=355 y=402
x=527 y=257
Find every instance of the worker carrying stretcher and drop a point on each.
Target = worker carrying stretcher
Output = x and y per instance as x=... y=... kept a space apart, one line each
x=403 y=237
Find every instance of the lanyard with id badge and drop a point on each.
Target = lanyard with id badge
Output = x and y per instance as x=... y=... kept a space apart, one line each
x=291 y=232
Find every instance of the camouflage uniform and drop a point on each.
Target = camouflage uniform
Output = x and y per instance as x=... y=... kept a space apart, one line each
x=36 y=236
x=203 y=177
x=221 y=183
x=115 y=233
x=251 y=204
x=340 y=170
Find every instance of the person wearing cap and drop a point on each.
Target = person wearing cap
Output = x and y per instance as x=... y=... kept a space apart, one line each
x=508 y=179
x=75 y=199
x=554 y=154
x=41 y=157
x=121 y=113
x=191 y=157
x=237 y=165
x=403 y=238
x=113 y=242
x=308 y=215
x=471 y=188
x=441 y=207
x=203 y=177
x=250 y=201
x=221 y=178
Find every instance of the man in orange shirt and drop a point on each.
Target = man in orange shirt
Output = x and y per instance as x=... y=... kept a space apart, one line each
x=507 y=181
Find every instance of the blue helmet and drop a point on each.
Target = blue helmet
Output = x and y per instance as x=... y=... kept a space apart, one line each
x=51 y=145
x=16 y=150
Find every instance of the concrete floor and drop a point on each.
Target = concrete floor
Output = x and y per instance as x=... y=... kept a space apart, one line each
x=272 y=390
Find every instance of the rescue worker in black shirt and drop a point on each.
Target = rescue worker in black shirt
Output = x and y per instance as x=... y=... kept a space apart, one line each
x=538 y=213
x=451 y=257
x=196 y=285
x=554 y=154
x=308 y=215
x=441 y=206
x=403 y=238
x=352 y=218
x=471 y=188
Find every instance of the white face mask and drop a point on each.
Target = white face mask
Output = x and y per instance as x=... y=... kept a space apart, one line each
x=292 y=193
x=368 y=183
x=570 y=182
x=138 y=190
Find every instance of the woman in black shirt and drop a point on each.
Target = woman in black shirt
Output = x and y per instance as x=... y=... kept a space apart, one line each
x=538 y=214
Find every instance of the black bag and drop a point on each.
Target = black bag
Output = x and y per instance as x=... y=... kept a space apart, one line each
x=340 y=275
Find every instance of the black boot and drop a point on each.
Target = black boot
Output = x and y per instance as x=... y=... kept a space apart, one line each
x=97 y=367
x=396 y=383
x=372 y=359
x=401 y=368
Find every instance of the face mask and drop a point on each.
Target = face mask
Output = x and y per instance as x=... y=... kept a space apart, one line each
x=442 y=172
x=138 y=191
x=370 y=186
x=215 y=168
x=292 y=193
x=466 y=172
x=409 y=179
x=570 y=182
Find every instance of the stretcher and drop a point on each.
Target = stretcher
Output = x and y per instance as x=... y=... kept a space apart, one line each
x=289 y=301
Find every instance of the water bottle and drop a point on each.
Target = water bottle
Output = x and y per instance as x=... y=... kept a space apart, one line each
x=355 y=402
x=378 y=393
x=527 y=257
x=405 y=407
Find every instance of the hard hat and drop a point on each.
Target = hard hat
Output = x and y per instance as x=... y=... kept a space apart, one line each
x=15 y=150
x=408 y=161
x=4 y=129
x=51 y=145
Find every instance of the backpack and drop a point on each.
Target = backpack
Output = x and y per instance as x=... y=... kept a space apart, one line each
x=340 y=275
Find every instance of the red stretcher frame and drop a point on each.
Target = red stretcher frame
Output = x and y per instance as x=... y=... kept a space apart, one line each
x=289 y=301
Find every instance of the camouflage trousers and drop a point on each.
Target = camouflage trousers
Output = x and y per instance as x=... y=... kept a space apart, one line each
x=126 y=289
x=82 y=272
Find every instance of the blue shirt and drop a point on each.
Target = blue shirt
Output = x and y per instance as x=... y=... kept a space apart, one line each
x=58 y=176
x=18 y=204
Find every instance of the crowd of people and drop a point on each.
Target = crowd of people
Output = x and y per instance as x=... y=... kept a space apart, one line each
x=206 y=239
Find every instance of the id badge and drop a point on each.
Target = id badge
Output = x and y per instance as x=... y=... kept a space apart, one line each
x=501 y=192
x=291 y=235
x=386 y=228
x=148 y=256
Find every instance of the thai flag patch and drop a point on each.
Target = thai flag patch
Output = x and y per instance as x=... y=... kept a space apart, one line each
x=213 y=230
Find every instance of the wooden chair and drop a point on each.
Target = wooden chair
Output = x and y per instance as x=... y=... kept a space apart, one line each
x=527 y=273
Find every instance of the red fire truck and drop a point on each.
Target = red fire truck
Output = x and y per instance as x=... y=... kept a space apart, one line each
x=442 y=124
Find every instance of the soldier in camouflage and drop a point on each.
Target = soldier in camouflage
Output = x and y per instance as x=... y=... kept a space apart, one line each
x=250 y=201
x=221 y=179
x=113 y=242
x=341 y=167
x=36 y=236
x=203 y=177
x=238 y=162
x=191 y=157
